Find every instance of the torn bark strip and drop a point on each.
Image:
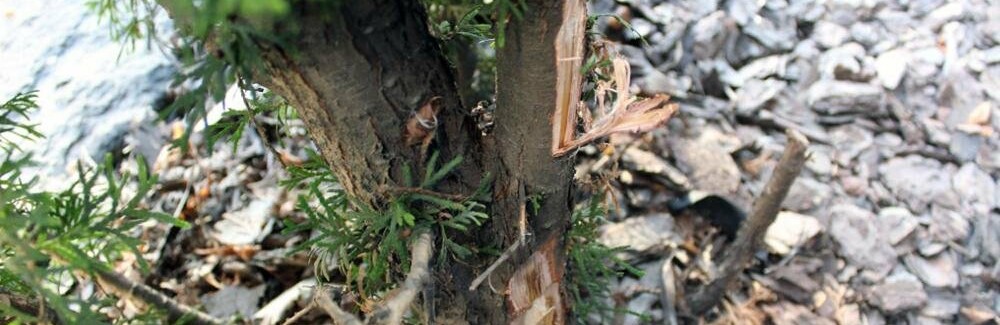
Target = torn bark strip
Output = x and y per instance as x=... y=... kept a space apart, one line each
x=569 y=46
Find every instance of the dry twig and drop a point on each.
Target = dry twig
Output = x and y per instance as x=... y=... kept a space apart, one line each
x=272 y=312
x=394 y=307
x=751 y=235
x=128 y=289
x=299 y=314
x=244 y=84
x=324 y=301
x=522 y=237
x=29 y=306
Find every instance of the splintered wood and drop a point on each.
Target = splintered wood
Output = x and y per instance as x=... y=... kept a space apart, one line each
x=625 y=115
x=570 y=42
x=533 y=292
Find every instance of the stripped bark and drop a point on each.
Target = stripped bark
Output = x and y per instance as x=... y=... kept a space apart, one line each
x=569 y=48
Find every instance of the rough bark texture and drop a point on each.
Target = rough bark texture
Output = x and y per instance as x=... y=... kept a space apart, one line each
x=357 y=75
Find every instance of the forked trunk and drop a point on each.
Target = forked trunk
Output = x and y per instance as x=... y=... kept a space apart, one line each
x=360 y=72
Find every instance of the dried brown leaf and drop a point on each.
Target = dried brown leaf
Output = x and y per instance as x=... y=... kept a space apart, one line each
x=420 y=127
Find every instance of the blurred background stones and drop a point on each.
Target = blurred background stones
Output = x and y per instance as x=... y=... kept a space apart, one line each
x=896 y=218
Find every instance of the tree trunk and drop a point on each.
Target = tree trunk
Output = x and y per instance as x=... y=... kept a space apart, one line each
x=360 y=72
x=529 y=178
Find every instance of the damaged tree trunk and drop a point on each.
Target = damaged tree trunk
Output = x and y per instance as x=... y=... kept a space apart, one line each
x=530 y=99
x=361 y=74
x=377 y=96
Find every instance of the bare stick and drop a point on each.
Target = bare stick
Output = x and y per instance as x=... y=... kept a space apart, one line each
x=324 y=301
x=252 y=119
x=394 y=307
x=29 y=306
x=299 y=314
x=751 y=235
x=522 y=234
x=272 y=312
x=506 y=255
x=669 y=295
x=128 y=289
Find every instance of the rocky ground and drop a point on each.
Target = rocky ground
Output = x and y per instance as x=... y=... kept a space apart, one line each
x=895 y=219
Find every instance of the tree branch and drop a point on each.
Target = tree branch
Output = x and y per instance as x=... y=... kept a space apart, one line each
x=751 y=235
x=243 y=86
x=129 y=289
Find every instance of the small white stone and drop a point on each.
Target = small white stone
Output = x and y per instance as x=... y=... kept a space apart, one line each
x=790 y=230
x=891 y=66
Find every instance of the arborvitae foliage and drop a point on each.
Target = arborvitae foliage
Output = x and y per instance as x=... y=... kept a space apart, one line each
x=49 y=238
x=592 y=265
x=370 y=246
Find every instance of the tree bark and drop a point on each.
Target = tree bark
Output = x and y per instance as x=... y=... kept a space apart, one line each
x=358 y=73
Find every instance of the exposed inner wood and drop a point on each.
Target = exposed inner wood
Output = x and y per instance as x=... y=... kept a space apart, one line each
x=569 y=48
x=533 y=291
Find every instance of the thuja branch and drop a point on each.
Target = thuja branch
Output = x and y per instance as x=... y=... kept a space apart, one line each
x=750 y=238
